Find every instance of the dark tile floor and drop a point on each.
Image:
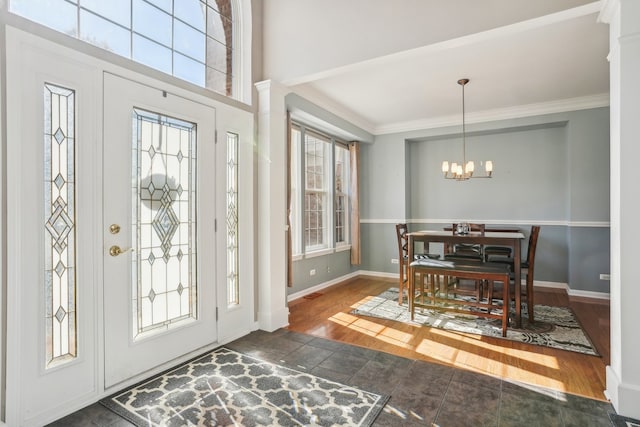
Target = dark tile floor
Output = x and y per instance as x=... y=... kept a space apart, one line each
x=421 y=393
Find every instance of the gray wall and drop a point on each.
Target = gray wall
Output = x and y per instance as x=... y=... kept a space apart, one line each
x=551 y=170
x=338 y=264
x=327 y=267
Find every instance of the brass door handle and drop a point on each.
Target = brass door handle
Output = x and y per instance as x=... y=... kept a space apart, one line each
x=116 y=250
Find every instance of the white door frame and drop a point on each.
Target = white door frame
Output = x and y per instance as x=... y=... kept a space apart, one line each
x=234 y=321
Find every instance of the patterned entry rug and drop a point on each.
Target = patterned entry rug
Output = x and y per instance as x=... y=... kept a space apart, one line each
x=555 y=327
x=226 y=388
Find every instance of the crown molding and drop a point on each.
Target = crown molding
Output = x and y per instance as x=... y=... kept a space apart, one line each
x=608 y=10
x=334 y=107
x=538 y=109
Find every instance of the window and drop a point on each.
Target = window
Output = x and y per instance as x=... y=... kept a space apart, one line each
x=233 y=287
x=341 y=194
x=189 y=39
x=320 y=215
x=164 y=206
x=316 y=192
x=295 y=185
x=60 y=231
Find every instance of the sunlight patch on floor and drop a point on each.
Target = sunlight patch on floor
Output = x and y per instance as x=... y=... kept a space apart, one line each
x=468 y=351
x=373 y=329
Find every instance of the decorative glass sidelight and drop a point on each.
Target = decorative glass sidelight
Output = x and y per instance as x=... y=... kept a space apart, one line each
x=164 y=221
x=232 y=219
x=59 y=225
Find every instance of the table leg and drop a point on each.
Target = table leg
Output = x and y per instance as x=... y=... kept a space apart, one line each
x=505 y=312
x=411 y=291
x=517 y=281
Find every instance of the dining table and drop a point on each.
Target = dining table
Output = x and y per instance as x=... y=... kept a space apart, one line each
x=500 y=238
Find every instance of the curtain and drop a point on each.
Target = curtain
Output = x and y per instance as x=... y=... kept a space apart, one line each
x=289 y=238
x=354 y=190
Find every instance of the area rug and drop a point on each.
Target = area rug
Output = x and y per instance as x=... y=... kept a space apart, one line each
x=555 y=327
x=620 y=421
x=226 y=388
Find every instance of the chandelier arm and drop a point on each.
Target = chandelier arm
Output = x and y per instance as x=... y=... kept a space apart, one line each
x=464 y=141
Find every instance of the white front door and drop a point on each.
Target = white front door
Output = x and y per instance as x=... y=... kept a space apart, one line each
x=95 y=161
x=159 y=227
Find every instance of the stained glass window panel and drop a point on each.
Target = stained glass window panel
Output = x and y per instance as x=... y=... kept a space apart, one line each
x=232 y=219
x=59 y=224
x=164 y=213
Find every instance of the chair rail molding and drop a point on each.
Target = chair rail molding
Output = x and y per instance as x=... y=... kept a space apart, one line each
x=565 y=223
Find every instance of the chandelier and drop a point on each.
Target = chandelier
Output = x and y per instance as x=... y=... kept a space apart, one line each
x=464 y=171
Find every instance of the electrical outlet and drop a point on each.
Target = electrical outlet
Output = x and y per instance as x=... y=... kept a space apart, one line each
x=605 y=277
x=394 y=261
x=312 y=272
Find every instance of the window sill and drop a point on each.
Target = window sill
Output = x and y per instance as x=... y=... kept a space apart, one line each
x=343 y=248
x=318 y=253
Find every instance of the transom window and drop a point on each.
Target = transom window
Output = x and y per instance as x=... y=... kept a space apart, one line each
x=189 y=39
x=320 y=212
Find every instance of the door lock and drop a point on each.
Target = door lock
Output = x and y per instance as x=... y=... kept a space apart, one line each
x=117 y=250
x=114 y=228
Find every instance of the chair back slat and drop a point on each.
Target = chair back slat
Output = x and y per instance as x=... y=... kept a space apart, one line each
x=531 y=250
x=403 y=241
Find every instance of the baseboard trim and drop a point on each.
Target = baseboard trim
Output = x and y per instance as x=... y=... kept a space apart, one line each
x=270 y=321
x=589 y=294
x=537 y=284
x=321 y=286
x=378 y=274
x=623 y=396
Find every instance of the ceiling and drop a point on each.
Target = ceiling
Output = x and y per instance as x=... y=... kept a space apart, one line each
x=549 y=63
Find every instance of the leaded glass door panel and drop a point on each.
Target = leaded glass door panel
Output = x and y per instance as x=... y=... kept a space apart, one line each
x=159 y=213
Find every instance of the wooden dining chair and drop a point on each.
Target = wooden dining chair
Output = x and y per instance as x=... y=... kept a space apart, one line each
x=464 y=250
x=526 y=268
x=403 y=260
x=494 y=250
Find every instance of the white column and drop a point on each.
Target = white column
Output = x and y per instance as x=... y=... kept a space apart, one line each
x=623 y=374
x=273 y=312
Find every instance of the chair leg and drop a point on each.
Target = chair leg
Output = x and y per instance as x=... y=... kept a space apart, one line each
x=401 y=284
x=530 y=297
x=490 y=292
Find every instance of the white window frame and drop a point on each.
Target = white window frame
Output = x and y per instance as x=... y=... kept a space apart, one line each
x=300 y=250
x=346 y=173
x=235 y=55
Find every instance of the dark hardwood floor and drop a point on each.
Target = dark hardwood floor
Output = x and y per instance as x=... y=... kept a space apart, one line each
x=326 y=314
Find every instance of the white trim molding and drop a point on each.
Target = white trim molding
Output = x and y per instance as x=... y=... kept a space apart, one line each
x=386 y=275
x=562 y=223
x=321 y=286
x=515 y=112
